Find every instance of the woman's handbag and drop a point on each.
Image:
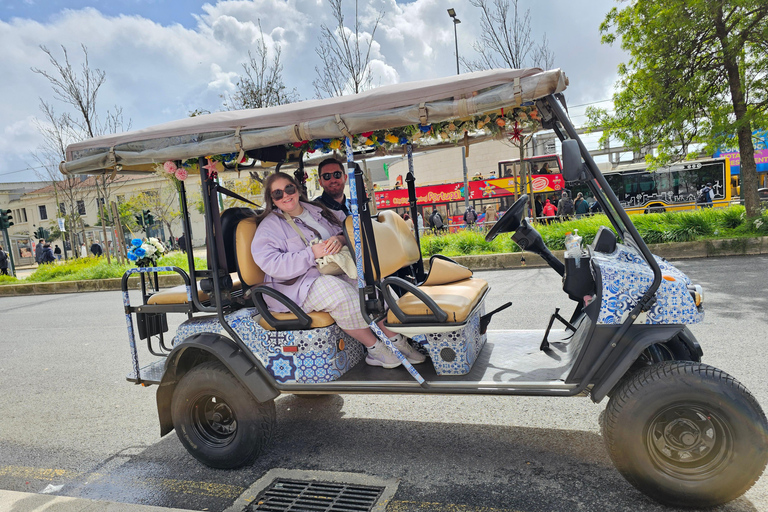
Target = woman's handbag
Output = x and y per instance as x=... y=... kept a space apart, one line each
x=332 y=264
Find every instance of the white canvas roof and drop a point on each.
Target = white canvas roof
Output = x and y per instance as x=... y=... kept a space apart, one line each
x=388 y=107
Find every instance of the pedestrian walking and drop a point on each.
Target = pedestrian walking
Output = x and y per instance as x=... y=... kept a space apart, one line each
x=39 y=251
x=470 y=216
x=705 y=196
x=57 y=252
x=3 y=262
x=47 y=256
x=83 y=251
x=96 y=249
x=565 y=206
x=582 y=206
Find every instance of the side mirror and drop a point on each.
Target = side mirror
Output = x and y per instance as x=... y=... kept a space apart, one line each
x=573 y=168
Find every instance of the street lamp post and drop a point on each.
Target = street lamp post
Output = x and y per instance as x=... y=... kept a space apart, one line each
x=456 y=21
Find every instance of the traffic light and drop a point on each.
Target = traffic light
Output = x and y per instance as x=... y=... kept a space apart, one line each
x=148 y=218
x=5 y=219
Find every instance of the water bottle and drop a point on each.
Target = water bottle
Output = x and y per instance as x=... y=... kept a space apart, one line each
x=573 y=246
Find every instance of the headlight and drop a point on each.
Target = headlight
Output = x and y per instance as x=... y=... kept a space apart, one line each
x=697 y=293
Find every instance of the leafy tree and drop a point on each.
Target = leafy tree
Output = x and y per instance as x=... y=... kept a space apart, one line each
x=345 y=56
x=162 y=203
x=506 y=40
x=696 y=75
x=262 y=84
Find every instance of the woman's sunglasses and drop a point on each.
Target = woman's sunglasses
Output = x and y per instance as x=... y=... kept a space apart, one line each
x=277 y=194
x=327 y=175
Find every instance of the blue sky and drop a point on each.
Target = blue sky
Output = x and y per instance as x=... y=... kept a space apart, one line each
x=164 y=58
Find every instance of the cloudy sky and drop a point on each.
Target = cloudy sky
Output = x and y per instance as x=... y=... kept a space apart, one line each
x=166 y=58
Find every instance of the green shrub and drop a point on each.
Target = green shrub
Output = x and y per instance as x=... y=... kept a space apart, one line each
x=732 y=217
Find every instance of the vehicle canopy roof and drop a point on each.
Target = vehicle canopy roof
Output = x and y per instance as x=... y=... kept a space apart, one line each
x=410 y=105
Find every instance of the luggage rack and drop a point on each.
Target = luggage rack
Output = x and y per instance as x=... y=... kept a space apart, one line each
x=151 y=320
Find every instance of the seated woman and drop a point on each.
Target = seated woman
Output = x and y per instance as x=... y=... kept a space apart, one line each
x=289 y=265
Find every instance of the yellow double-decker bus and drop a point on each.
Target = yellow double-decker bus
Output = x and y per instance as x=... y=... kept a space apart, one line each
x=671 y=188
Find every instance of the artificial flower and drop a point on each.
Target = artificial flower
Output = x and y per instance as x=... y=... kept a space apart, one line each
x=181 y=174
x=366 y=134
x=169 y=167
x=392 y=139
x=136 y=242
x=335 y=144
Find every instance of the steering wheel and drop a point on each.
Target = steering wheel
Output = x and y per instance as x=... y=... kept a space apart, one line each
x=510 y=221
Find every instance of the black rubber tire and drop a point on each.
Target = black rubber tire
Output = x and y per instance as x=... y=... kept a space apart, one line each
x=218 y=420
x=686 y=434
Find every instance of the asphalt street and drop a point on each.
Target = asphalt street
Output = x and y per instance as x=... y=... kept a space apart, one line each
x=68 y=418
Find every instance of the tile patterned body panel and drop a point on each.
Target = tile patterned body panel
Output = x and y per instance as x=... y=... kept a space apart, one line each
x=314 y=355
x=454 y=352
x=626 y=277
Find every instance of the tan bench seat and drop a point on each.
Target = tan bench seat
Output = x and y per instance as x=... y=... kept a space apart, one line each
x=178 y=294
x=319 y=319
x=457 y=299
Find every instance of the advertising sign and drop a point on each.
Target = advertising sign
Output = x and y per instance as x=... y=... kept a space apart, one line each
x=454 y=192
x=760 y=141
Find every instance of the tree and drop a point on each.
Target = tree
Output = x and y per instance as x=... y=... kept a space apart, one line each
x=79 y=90
x=262 y=85
x=696 y=75
x=163 y=205
x=345 y=62
x=506 y=40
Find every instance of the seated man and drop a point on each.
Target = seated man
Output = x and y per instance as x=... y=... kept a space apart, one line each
x=333 y=179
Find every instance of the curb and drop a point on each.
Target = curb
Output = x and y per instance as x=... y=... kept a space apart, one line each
x=11 y=501
x=678 y=251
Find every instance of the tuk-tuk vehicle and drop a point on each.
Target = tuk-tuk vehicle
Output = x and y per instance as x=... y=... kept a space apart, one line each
x=682 y=432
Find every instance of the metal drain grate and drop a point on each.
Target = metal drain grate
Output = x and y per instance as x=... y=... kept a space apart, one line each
x=286 y=495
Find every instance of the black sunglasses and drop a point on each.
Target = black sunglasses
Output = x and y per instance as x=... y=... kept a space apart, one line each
x=327 y=175
x=277 y=194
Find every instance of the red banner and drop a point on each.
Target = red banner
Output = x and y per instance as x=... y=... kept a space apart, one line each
x=454 y=192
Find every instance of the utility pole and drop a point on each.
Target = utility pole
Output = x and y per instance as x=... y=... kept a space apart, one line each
x=456 y=21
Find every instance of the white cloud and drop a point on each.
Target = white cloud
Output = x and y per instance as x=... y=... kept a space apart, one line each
x=160 y=72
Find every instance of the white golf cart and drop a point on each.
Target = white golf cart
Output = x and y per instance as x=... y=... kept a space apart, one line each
x=682 y=432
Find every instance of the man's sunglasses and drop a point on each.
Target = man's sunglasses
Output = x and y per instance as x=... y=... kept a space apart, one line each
x=327 y=175
x=277 y=194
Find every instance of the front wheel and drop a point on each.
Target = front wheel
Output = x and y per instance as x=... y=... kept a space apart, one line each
x=217 y=419
x=686 y=434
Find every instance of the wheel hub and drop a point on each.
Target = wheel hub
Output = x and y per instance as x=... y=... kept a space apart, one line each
x=214 y=420
x=689 y=441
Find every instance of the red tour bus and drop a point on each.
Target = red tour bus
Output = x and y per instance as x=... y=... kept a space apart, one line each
x=488 y=196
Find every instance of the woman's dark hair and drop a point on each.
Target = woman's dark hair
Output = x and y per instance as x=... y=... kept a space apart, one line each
x=406 y=216
x=269 y=205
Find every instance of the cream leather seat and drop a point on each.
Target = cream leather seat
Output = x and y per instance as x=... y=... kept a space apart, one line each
x=251 y=275
x=450 y=285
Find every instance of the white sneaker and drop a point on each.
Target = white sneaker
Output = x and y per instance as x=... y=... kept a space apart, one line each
x=380 y=355
x=411 y=354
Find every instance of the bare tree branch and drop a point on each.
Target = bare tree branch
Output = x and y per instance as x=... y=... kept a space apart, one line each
x=506 y=39
x=345 y=63
x=262 y=84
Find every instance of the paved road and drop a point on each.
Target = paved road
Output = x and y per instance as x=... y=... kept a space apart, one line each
x=68 y=418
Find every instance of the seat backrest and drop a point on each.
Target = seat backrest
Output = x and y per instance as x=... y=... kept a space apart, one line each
x=395 y=244
x=238 y=227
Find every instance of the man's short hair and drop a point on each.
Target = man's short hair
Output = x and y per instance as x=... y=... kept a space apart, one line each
x=328 y=161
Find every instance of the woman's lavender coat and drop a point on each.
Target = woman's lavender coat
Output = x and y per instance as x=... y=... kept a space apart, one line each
x=286 y=260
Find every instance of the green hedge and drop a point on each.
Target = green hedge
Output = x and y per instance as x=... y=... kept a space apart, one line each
x=655 y=228
x=94 y=268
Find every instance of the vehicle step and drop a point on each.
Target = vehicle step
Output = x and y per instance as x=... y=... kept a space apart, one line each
x=150 y=374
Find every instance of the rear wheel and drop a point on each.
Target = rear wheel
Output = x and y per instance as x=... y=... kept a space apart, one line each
x=686 y=434
x=217 y=419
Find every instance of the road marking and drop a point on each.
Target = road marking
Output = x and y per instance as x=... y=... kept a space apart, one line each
x=178 y=486
x=28 y=473
x=399 y=506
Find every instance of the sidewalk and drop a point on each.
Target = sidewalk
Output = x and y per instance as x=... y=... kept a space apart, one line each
x=12 y=501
